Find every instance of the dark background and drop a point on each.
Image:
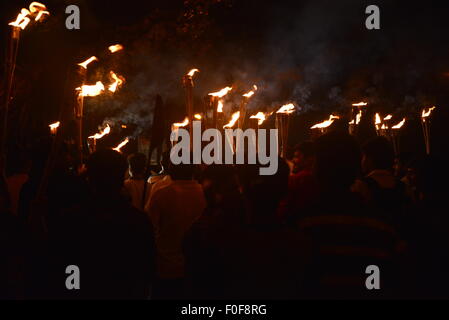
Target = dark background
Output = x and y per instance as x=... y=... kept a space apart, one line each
x=315 y=53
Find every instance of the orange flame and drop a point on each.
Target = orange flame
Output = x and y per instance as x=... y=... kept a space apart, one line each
x=118 y=82
x=91 y=90
x=260 y=116
x=87 y=62
x=388 y=118
x=288 y=109
x=325 y=124
x=41 y=14
x=427 y=113
x=220 y=106
x=251 y=93
x=399 y=125
x=121 y=145
x=192 y=72
x=182 y=124
x=115 y=48
x=357 y=119
x=221 y=93
x=235 y=118
x=378 y=119
x=103 y=133
x=22 y=19
x=198 y=116
x=360 y=104
x=54 y=127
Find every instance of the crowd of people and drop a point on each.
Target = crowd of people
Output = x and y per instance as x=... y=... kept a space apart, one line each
x=227 y=232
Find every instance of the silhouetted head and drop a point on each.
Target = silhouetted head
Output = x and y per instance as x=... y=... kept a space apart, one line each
x=377 y=154
x=304 y=156
x=337 y=162
x=137 y=164
x=264 y=192
x=105 y=171
x=181 y=171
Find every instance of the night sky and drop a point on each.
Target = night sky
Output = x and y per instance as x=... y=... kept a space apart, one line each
x=315 y=53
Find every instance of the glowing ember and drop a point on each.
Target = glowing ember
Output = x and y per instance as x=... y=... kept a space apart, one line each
x=124 y=126
x=251 y=93
x=260 y=116
x=221 y=93
x=121 y=145
x=118 y=82
x=103 y=133
x=325 y=124
x=427 y=113
x=22 y=20
x=87 y=62
x=182 y=124
x=235 y=118
x=91 y=90
x=399 y=125
x=361 y=104
x=115 y=48
x=192 y=72
x=288 y=109
x=198 y=117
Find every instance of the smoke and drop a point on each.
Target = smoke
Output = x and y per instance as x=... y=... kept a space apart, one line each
x=315 y=54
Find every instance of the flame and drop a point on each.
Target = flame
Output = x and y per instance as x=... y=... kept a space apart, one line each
x=24 y=17
x=378 y=119
x=399 y=125
x=221 y=93
x=182 y=124
x=260 y=116
x=37 y=7
x=357 y=119
x=118 y=82
x=220 y=106
x=124 y=126
x=198 y=117
x=41 y=14
x=103 y=133
x=87 y=62
x=22 y=20
x=360 y=104
x=288 y=109
x=427 y=113
x=115 y=48
x=384 y=127
x=388 y=118
x=325 y=124
x=251 y=93
x=91 y=90
x=192 y=72
x=121 y=145
x=55 y=125
x=235 y=118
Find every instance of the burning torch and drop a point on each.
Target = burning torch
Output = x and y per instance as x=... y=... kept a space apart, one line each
x=282 y=125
